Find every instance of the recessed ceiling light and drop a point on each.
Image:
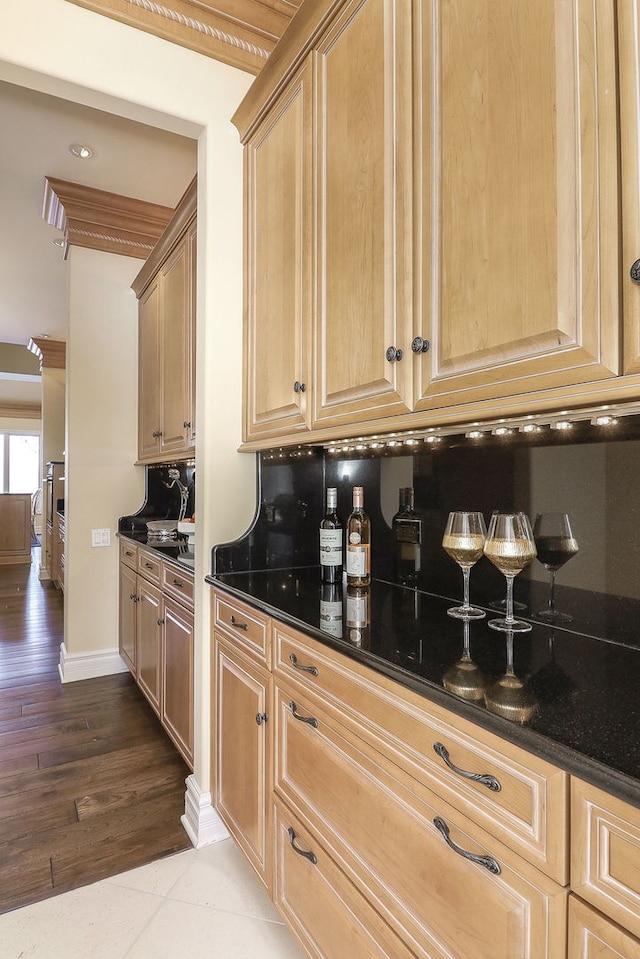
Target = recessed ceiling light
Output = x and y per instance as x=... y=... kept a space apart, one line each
x=80 y=151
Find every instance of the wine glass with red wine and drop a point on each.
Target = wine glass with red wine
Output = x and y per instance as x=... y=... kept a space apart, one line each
x=556 y=545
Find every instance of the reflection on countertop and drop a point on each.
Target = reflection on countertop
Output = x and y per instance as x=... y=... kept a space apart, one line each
x=570 y=698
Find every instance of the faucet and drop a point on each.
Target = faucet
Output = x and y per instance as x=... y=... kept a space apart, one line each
x=174 y=476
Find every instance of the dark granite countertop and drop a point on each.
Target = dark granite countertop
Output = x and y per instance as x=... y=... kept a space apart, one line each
x=579 y=695
x=174 y=550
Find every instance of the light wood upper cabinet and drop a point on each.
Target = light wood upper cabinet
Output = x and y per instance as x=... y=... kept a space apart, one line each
x=165 y=288
x=278 y=265
x=363 y=224
x=629 y=53
x=517 y=201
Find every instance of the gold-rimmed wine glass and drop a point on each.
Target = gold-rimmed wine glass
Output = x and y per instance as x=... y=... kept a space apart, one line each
x=463 y=540
x=556 y=545
x=510 y=547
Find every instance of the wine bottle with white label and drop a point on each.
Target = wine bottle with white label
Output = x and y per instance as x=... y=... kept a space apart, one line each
x=358 y=542
x=331 y=535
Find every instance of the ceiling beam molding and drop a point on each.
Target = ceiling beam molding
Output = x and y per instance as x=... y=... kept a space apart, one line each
x=21 y=411
x=98 y=220
x=51 y=353
x=241 y=33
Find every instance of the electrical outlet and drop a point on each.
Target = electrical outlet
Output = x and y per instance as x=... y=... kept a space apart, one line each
x=100 y=537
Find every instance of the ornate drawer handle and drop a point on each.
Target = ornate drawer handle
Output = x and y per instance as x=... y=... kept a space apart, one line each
x=487 y=862
x=311 y=856
x=303 y=719
x=234 y=622
x=293 y=659
x=483 y=778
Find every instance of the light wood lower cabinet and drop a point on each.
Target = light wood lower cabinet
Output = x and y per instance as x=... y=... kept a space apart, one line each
x=242 y=730
x=591 y=936
x=435 y=876
x=400 y=870
x=149 y=641
x=177 y=676
x=373 y=846
x=605 y=862
x=156 y=640
x=324 y=910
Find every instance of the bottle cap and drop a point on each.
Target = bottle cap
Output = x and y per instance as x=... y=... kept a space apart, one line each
x=358 y=496
x=332 y=496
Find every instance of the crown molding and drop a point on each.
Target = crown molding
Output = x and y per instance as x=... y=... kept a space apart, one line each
x=51 y=353
x=241 y=33
x=21 y=411
x=98 y=220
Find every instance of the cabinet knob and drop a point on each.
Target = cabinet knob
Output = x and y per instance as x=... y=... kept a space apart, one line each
x=419 y=345
x=187 y=425
x=299 y=387
x=160 y=622
x=634 y=272
x=393 y=354
x=157 y=433
x=261 y=718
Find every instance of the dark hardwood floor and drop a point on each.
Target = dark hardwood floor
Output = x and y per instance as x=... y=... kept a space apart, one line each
x=90 y=784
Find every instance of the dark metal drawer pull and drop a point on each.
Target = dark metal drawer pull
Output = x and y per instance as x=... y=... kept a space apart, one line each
x=483 y=778
x=293 y=659
x=149 y=566
x=303 y=719
x=311 y=856
x=488 y=862
x=234 y=622
x=261 y=718
x=177 y=583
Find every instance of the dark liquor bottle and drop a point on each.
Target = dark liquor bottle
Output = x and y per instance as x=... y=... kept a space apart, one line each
x=407 y=527
x=331 y=535
x=358 y=542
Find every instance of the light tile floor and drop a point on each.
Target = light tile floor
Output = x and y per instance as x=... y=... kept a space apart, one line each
x=199 y=903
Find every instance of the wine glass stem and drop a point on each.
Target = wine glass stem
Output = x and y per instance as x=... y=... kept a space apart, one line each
x=466 y=570
x=510 y=671
x=509 y=618
x=552 y=588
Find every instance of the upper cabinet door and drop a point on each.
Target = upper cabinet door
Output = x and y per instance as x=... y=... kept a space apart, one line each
x=629 y=52
x=517 y=197
x=363 y=214
x=176 y=349
x=149 y=387
x=277 y=270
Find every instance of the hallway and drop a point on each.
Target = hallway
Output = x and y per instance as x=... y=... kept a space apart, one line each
x=89 y=783
x=91 y=793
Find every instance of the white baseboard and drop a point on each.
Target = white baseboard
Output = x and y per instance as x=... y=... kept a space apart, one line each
x=102 y=662
x=201 y=822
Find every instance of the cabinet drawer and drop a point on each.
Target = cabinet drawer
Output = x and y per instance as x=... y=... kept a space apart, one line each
x=591 y=936
x=149 y=566
x=249 y=628
x=321 y=906
x=178 y=584
x=128 y=554
x=605 y=862
x=379 y=825
x=518 y=798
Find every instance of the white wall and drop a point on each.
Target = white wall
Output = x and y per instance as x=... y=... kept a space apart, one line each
x=59 y=48
x=101 y=440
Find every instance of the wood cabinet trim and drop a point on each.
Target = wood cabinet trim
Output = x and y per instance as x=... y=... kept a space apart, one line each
x=178 y=225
